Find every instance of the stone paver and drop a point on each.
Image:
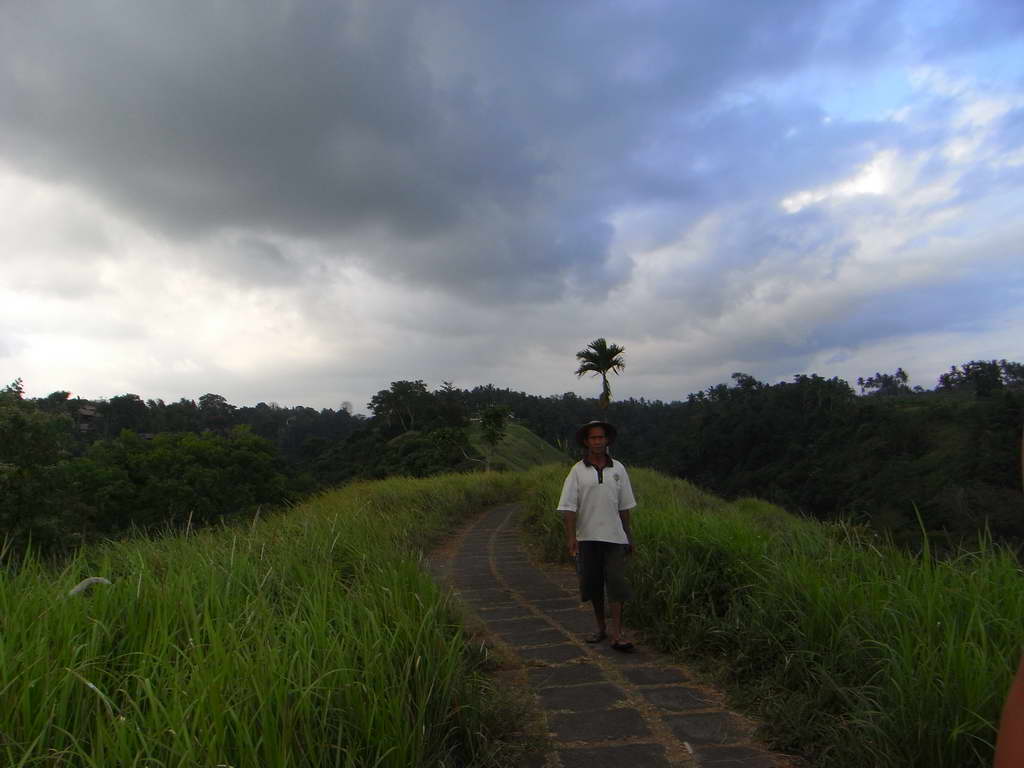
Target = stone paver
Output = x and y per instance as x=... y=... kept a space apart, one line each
x=577 y=622
x=732 y=757
x=648 y=755
x=582 y=698
x=654 y=675
x=552 y=654
x=603 y=707
x=607 y=725
x=514 y=611
x=522 y=638
x=567 y=674
x=523 y=624
x=709 y=728
x=677 y=698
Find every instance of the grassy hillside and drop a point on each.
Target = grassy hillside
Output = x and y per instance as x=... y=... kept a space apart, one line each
x=312 y=638
x=315 y=638
x=520 y=449
x=857 y=653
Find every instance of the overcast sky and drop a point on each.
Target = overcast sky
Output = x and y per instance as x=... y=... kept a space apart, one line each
x=301 y=202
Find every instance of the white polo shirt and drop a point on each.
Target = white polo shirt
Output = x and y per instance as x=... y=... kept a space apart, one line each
x=596 y=496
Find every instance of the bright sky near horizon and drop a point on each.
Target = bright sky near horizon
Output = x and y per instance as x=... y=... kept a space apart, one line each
x=300 y=202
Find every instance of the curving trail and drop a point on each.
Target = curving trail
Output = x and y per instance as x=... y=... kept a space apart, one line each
x=603 y=707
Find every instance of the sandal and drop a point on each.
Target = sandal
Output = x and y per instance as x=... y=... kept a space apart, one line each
x=597 y=637
x=624 y=647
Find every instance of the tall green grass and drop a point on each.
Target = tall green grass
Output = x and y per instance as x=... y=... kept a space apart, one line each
x=857 y=653
x=314 y=638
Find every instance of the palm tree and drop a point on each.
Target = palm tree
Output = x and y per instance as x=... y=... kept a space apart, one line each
x=598 y=358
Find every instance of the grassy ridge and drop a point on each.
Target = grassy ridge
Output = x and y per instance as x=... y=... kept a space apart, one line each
x=310 y=639
x=315 y=639
x=857 y=654
x=520 y=449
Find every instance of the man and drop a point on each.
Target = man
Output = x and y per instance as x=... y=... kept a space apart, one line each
x=595 y=502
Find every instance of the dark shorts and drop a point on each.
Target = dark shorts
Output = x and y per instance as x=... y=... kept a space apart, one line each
x=602 y=565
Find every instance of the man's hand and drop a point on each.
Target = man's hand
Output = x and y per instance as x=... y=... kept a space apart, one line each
x=626 y=528
x=569 y=518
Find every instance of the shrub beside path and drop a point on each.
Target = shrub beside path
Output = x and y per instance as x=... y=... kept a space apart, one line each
x=602 y=707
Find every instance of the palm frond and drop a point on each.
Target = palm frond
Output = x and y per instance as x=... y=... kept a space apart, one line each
x=599 y=357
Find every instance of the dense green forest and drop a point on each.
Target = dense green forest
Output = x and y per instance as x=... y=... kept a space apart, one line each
x=73 y=469
x=886 y=456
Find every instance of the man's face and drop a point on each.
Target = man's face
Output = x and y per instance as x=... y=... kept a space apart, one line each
x=596 y=439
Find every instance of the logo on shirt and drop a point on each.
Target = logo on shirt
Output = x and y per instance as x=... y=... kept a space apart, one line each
x=616 y=476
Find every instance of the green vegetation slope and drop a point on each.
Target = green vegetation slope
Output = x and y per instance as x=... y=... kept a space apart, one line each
x=855 y=652
x=519 y=449
x=315 y=638
x=309 y=639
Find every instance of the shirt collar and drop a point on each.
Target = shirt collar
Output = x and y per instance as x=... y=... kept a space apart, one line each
x=611 y=462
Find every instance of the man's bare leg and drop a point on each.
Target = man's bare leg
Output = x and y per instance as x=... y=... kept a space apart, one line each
x=602 y=627
x=616 y=621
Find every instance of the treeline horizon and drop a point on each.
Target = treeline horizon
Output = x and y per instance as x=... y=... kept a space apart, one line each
x=894 y=456
x=983 y=374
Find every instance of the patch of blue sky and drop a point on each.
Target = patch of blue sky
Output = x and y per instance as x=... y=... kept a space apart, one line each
x=968 y=39
x=870 y=94
x=873 y=95
x=1000 y=64
x=961 y=42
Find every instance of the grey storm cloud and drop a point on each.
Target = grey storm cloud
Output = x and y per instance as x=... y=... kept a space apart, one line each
x=478 y=147
x=754 y=244
x=966 y=304
x=255 y=260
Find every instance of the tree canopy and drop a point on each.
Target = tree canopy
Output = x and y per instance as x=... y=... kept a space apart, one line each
x=493 y=426
x=71 y=468
x=599 y=358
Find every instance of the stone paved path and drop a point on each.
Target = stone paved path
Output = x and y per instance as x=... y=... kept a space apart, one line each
x=603 y=707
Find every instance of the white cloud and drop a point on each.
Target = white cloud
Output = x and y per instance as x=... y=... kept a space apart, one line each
x=472 y=193
x=874 y=178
